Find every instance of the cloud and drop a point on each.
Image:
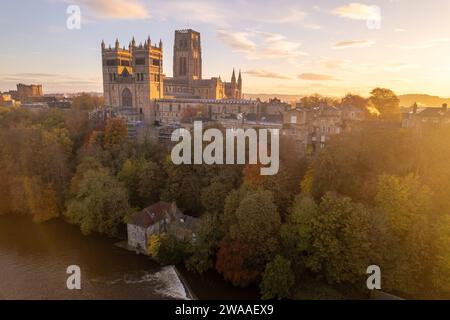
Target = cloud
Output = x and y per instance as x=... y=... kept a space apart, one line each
x=238 y=41
x=312 y=26
x=261 y=45
x=358 y=11
x=353 y=43
x=197 y=11
x=48 y=78
x=294 y=16
x=315 y=77
x=424 y=45
x=115 y=9
x=333 y=63
x=265 y=74
x=396 y=67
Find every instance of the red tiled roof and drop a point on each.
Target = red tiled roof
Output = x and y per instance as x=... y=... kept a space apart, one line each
x=151 y=214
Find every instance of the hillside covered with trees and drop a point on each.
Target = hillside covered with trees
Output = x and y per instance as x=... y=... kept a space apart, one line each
x=377 y=195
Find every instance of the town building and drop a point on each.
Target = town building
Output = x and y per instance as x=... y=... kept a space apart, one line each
x=157 y=219
x=309 y=129
x=169 y=111
x=6 y=100
x=26 y=93
x=419 y=118
x=275 y=106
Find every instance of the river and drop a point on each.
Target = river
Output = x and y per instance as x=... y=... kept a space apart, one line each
x=34 y=259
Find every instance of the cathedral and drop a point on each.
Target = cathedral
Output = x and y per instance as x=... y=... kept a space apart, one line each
x=187 y=81
x=133 y=76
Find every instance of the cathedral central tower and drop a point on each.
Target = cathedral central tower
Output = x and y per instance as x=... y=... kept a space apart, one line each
x=187 y=55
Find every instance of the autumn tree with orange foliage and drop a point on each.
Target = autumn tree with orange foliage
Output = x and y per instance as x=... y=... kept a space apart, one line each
x=233 y=262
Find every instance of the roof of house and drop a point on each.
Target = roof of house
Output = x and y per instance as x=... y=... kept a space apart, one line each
x=433 y=112
x=151 y=214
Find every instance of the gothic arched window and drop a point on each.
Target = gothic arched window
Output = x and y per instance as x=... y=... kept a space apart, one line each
x=127 y=98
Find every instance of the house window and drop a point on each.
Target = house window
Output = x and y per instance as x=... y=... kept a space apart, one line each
x=293 y=119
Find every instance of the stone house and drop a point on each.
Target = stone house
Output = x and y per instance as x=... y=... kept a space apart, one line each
x=420 y=118
x=161 y=217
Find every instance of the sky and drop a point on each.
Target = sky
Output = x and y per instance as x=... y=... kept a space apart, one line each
x=330 y=47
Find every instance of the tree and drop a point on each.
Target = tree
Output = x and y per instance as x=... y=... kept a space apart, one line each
x=202 y=250
x=143 y=179
x=441 y=267
x=169 y=250
x=316 y=100
x=386 y=102
x=297 y=232
x=183 y=185
x=351 y=163
x=284 y=186
x=406 y=239
x=116 y=133
x=87 y=102
x=99 y=204
x=278 y=279
x=251 y=222
x=154 y=243
x=41 y=199
x=213 y=197
x=252 y=175
x=257 y=221
x=354 y=101
x=151 y=181
x=340 y=243
x=234 y=262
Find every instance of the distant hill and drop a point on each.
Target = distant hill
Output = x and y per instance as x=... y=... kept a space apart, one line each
x=406 y=100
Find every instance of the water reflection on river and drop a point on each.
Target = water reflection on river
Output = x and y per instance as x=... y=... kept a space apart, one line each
x=34 y=259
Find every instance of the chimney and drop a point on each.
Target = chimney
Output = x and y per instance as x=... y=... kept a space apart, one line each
x=444 y=108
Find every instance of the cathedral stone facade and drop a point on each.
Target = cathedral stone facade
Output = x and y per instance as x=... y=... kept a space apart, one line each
x=133 y=77
x=187 y=81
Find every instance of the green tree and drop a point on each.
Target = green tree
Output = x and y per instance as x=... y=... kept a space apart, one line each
x=202 y=250
x=170 y=250
x=99 y=203
x=143 y=179
x=213 y=197
x=183 y=185
x=441 y=265
x=278 y=279
x=406 y=240
x=340 y=241
x=251 y=222
x=297 y=232
x=386 y=102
